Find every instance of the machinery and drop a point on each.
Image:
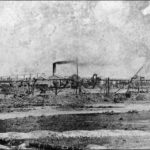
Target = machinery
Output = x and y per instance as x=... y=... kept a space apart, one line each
x=27 y=86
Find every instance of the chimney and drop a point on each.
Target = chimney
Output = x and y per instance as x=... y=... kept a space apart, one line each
x=54 y=68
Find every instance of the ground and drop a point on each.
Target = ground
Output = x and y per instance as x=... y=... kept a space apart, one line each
x=75 y=122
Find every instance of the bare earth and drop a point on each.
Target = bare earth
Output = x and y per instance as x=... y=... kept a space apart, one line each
x=92 y=126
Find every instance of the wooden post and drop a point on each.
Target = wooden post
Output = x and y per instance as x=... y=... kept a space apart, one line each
x=108 y=87
x=77 y=76
x=105 y=90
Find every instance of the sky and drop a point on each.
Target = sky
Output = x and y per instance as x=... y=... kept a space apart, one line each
x=110 y=38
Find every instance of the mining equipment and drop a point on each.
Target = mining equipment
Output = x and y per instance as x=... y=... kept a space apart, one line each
x=117 y=97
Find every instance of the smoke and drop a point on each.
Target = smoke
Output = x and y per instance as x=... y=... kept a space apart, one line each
x=62 y=62
x=110 y=38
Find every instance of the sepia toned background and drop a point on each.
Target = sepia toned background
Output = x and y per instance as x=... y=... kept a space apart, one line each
x=109 y=38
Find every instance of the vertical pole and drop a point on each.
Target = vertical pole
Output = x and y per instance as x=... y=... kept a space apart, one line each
x=108 y=86
x=56 y=87
x=139 y=86
x=54 y=68
x=142 y=86
x=105 y=92
x=77 y=75
x=33 y=87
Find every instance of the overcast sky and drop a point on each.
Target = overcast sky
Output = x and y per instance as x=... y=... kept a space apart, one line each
x=110 y=38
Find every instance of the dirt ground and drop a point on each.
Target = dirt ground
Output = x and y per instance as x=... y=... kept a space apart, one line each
x=70 y=122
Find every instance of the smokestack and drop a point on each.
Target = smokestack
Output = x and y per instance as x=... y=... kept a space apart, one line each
x=54 y=68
